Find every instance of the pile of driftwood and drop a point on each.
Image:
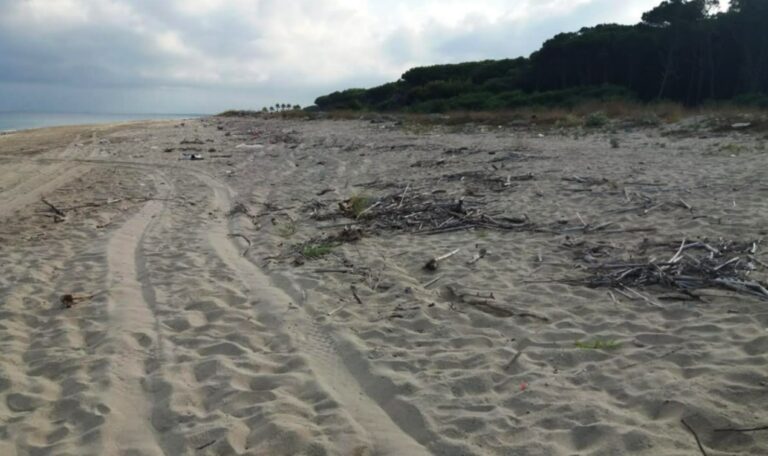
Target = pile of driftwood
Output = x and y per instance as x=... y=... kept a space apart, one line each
x=424 y=214
x=695 y=265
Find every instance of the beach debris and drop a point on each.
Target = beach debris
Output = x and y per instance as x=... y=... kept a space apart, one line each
x=486 y=304
x=695 y=436
x=347 y=234
x=432 y=264
x=70 y=300
x=478 y=256
x=58 y=214
x=240 y=208
x=420 y=213
x=336 y=310
x=694 y=265
x=741 y=125
x=354 y=293
x=522 y=344
x=205 y=445
x=752 y=429
x=249 y=146
x=191 y=156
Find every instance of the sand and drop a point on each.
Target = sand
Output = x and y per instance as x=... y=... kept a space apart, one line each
x=199 y=333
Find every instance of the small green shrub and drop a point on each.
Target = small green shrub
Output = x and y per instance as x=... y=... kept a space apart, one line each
x=359 y=203
x=596 y=120
x=314 y=251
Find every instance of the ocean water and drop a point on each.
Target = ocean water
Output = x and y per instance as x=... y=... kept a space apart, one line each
x=10 y=121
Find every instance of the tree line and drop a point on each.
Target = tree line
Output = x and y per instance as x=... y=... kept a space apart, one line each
x=281 y=107
x=687 y=51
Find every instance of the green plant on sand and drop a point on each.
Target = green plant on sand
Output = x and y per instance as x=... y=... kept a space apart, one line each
x=358 y=204
x=314 y=251
x=596 y=120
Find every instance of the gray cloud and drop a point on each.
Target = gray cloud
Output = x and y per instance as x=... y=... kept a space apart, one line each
x=208 y=55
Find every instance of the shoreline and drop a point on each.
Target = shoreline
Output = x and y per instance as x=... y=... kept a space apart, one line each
x=79 y=119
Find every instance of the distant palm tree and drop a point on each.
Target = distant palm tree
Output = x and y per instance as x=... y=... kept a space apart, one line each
x=271 y=109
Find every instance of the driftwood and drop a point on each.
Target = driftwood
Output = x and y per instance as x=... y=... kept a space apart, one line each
x=695 y=436
x=356 y=296
x=432 y=282
x=58 y=214
x=754 y=429
x=70 y=300
x=695 y=265
x=419 y=213
x=433 y=263
x=486 y=305
x=240 y=208
x=480 y=255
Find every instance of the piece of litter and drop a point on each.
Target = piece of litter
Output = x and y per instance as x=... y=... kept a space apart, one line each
x=249 y=146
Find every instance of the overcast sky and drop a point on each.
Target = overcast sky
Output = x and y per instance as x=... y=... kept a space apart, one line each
x=204 y=56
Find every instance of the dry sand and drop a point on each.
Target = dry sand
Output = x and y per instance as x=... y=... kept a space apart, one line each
x=190 y=341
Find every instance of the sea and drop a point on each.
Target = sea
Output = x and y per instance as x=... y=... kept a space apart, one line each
x=12 y=121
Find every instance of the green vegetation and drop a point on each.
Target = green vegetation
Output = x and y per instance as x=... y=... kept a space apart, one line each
x=282 y=108
x=684 y=51
x=359 y=203
x=240 y=113
x=598 y=344
x=314 y=251
x=596 y=120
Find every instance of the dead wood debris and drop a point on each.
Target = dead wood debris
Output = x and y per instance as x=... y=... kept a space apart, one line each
x=486 y=304
x=695 y=436
x=240 y=208
x=433 y=263
x=58 y=214
x=420 y=213
x=694 y=265
x=70 y=300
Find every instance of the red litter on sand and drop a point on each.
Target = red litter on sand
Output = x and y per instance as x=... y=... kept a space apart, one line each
x=523 y=386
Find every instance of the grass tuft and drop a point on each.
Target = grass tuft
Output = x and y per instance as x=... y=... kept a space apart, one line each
x=359 y=203
x=314 y=251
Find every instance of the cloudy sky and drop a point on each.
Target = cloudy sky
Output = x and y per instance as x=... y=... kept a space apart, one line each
x=204 y=56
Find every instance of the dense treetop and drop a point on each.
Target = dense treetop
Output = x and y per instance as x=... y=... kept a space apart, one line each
x=683 y=50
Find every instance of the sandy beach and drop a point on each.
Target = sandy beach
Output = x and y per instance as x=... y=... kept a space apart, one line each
x=272 y=298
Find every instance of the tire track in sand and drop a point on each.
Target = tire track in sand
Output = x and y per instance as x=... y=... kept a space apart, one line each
x=128 y=428
x=385 y=434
